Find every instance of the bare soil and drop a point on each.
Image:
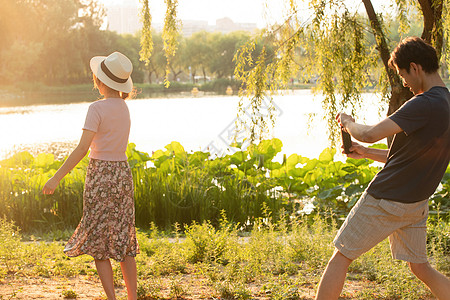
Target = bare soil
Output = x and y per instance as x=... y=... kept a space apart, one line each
x=89 y=287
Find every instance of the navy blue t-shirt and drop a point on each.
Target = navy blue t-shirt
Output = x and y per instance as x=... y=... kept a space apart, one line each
x=420 y=154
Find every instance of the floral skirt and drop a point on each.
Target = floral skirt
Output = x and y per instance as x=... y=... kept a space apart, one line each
x=106 y=229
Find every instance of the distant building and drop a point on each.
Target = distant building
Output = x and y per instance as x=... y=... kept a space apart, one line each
x=125 y=18
x=192 y=26
x=226 y=25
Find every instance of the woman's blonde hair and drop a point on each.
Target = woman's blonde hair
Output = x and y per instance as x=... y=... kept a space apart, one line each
x=123 y=95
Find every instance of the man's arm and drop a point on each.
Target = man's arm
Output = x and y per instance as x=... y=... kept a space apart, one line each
x=358 y=151
x=368 y=133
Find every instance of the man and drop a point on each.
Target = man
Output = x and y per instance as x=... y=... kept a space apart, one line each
x=395 y=203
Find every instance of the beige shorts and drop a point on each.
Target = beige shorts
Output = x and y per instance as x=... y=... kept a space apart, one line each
x=372 y=220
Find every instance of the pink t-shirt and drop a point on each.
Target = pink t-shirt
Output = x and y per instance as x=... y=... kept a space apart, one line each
x=110 y=120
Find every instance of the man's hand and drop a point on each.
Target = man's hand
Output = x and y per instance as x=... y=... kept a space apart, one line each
x=50 y=186
x=368 y=133
x=357 y=151
x=344 y=119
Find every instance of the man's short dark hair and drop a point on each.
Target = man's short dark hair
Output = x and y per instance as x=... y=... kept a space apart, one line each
x=416 y=50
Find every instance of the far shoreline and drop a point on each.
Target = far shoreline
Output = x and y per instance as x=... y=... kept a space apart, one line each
x=40 y=94
x=28 y=94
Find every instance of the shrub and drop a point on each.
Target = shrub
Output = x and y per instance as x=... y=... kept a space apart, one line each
x=10 y=247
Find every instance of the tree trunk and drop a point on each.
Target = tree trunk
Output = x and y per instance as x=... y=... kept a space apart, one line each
x=204 y=74
x=150 y=76
x=151 y=70
x=399 y=94
x=174 y=73
x=433 y=31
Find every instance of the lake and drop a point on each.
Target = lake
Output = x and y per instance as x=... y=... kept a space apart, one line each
x=197 y=123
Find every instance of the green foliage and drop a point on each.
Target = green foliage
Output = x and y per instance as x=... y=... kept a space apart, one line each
x=183 y=187
x=332 y=46
x=69 y=294
x=10 y=248
x=22 y=177
x=219 y=85
x=205 y=243
x=174 y=186
x=331 y=185
x=340 y=48
x=47 y=55
x=36 y=56
x=232 y=290
x=439 y=242
x=197 y=53
x=440 y=199
x=258 y=76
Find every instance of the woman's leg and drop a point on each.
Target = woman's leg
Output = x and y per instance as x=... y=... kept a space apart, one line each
x=104 y=270
x=130 y=276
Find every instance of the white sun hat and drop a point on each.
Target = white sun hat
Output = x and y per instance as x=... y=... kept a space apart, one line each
x=114 y=71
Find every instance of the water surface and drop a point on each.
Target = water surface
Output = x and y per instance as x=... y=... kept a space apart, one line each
x=197 y=123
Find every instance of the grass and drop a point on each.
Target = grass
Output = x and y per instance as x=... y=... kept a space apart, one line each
x=275 y=260
x=231 y=230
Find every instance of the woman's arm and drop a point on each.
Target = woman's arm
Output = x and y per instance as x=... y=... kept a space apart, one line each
x=74 y=158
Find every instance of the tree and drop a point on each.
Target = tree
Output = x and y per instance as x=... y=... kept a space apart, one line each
x=224 y=46
x=58 y=33
x=174 y=65
x=334 y=40
x=48 y=41
x=339 y=51
x=196 y=54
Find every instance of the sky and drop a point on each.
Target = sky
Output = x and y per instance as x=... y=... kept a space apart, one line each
x=240 y=11
x=261 y=12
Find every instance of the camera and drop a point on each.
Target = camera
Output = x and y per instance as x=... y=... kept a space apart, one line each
x=346 y=141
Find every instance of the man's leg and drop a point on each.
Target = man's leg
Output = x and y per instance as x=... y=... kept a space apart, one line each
x=333 y=277
x=437 y=282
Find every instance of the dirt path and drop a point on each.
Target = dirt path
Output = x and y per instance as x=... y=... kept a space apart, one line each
x=190 y=286
x=53 y=288
x=85 y=287
x=90 y=288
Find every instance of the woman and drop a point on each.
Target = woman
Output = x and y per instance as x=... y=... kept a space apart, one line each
x=106 y=229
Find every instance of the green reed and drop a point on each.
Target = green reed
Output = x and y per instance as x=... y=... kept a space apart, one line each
x=21 y=179
x=175 y=186
x=185 y=187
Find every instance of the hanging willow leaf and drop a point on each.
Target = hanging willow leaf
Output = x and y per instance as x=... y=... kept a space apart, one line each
x=146 y=38
x=336 y=44
x=335 y=49
x=170 y=35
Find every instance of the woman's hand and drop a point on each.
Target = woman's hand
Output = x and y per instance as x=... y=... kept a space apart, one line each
x=50 y=186
x=74 y=158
